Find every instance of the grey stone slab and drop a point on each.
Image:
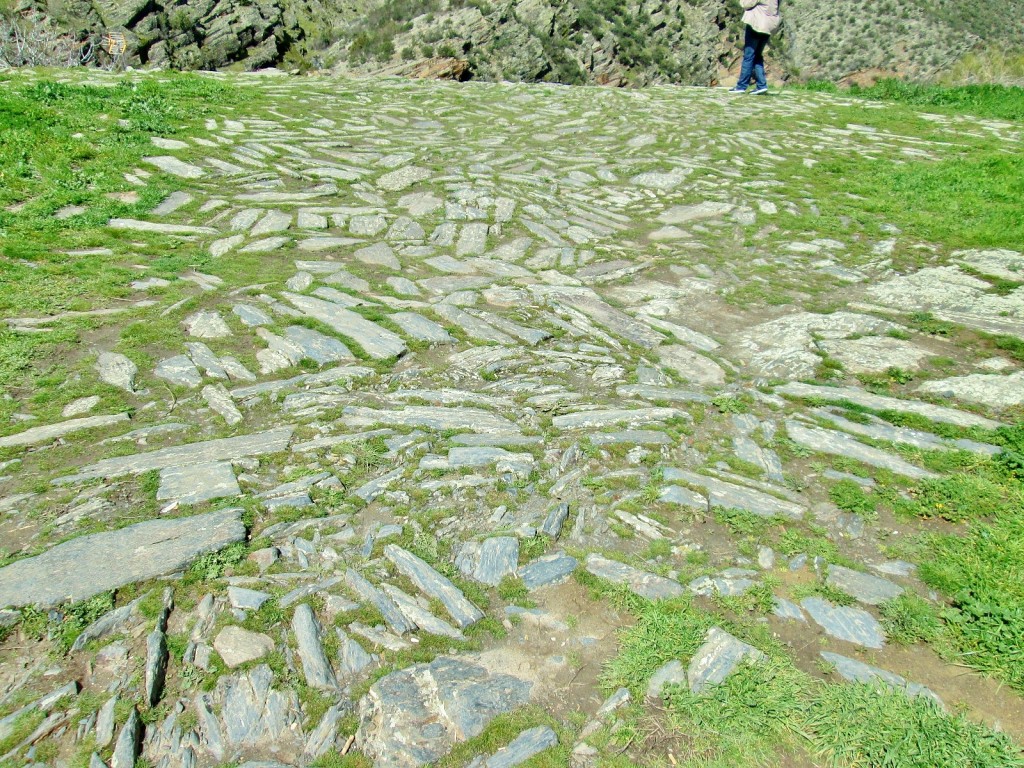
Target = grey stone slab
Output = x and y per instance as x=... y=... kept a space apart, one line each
x=220 y=401
x=670 y=673
x=197 y=483
x=316 y=346
x=859 y=672
x=204 y=359
x=105 y=722
x=79 y=569
x=431 y=417
x=379 y=255
x=676 y=494
x=179 y=370
x=526 y=745
x=314 y=244
x=609 y=417
x=630 y=437
x=556 y=518
x=403 y=178
x=247 y=599
x=840 y=444
x=351 y=655
x=172 y=202
x=156 y=665
x=134 y=225
x=645 y=584
x=718 y=658
x=472 y=326
x=51 y=432
x=421 y=329
x=709 y=586
x=374 y=488
x=174 y=166
x=300 y=593
x=883 y=403
x=420 y=617
x=206 y=325
x=108 y=624
x=434 y=585
x=547 y=569
x=731 y=496
x=659 y=393
x=991 y=389
x=786 y=609
x=129 y=742
x=273 y=221
x=251 y=316
x=324 y=737
x=254 y=716
x=499 y=557
x=394 y=617
x=315 y=666
x=845 y=623
x=116 y=370
x=378 y=342
x=225 y=449
x=465 y=456
x=872 y=590
x=238 y=646
x=414 y=716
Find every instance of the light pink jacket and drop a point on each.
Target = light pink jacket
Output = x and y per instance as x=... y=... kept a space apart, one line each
x=762 y=15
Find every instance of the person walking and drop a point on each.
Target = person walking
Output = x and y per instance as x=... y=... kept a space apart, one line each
x=762 y=19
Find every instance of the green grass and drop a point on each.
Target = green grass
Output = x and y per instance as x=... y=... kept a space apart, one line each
x=767 y=710
x=993 y=101
x=65 y=144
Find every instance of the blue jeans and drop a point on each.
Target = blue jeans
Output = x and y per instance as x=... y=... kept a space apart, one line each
x=753 y=59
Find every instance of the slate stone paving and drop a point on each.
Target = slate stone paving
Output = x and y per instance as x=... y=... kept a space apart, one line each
x=436 y=352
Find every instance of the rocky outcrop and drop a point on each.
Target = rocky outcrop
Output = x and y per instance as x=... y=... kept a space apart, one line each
x=632 y=42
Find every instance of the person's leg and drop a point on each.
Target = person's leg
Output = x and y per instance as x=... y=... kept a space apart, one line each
x=758 y=62
x=749 y=53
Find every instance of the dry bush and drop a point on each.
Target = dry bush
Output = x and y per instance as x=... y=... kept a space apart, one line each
x=992 y=66
x=25 y=44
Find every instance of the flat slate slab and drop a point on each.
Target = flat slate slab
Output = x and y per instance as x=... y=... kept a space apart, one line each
x=718 y=658
x=547 y=569
x=421 y=328
x=491 y=560
x=859 y=672
x=883 y=403
x=648 y=585
x=845 y=623
x=869 y=589
x=731 y=496
x=198 y=482
x=224 y=449
x=378 y=342
x=527 y=744
x=431 y=417
x=82 y=568
x=37 y=435
x=434 y=585
x=606 y=418
x=840 y=444
x=414 y=716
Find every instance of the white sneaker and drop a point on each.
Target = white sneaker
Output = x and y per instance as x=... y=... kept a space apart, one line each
x=760 y=91
x=737 y=89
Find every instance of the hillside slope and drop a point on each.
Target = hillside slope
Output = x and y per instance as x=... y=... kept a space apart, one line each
x=615 y=42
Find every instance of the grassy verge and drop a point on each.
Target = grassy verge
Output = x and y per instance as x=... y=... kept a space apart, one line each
x=67 y=145
x=996 y=101
x=767 y=712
